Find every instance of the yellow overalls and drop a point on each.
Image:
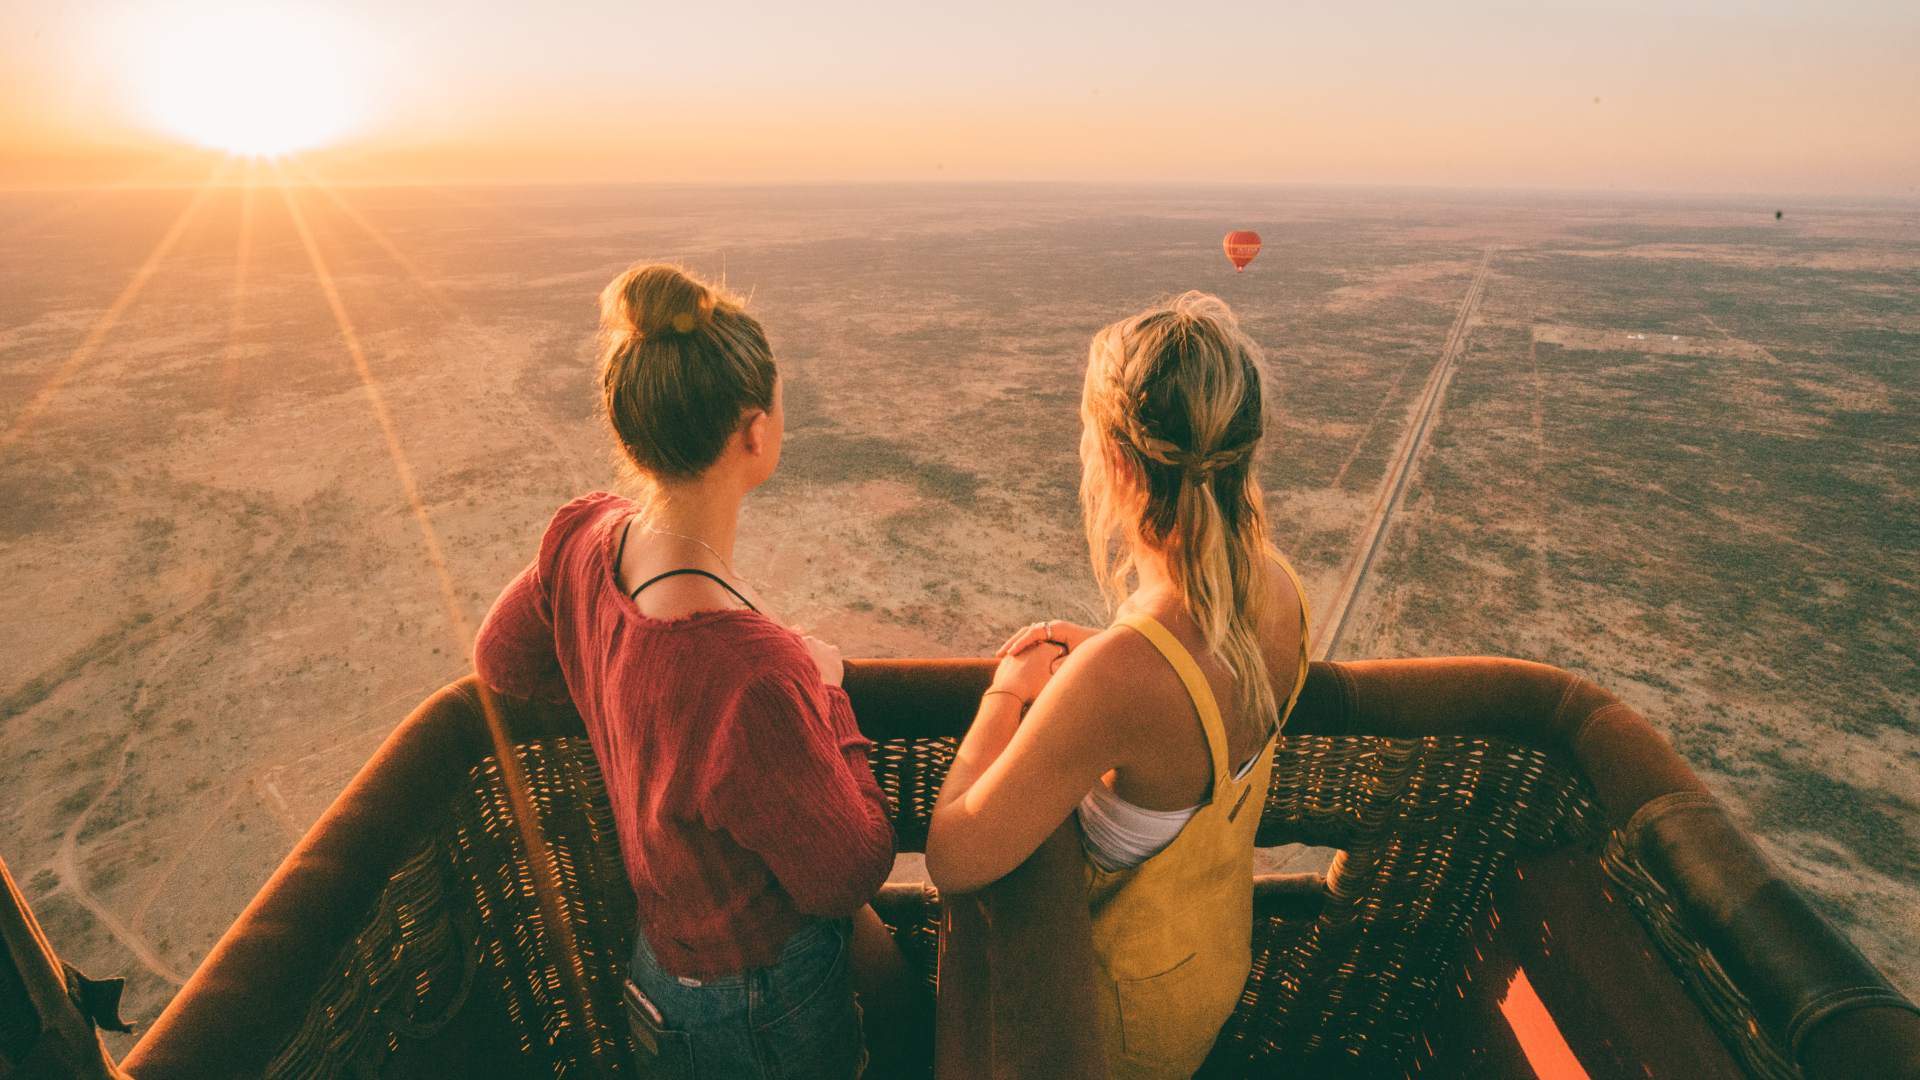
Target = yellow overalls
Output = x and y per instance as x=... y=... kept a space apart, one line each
x=1173 y=936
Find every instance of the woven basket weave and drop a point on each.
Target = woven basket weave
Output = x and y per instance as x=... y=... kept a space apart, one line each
x=1394 y=964
x=1426 y=827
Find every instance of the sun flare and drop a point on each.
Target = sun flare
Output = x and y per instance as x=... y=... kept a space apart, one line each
x=258 y=80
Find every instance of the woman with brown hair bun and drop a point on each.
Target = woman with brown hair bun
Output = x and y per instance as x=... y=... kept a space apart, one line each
x=1155 y=734
x=749 y=821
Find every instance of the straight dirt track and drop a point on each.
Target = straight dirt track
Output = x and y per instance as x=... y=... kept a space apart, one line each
x=1391 y=488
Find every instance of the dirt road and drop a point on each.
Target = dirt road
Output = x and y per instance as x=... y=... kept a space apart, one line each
x=1334 y=618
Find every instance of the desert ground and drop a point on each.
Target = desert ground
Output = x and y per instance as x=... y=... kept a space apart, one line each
x=1674 y=449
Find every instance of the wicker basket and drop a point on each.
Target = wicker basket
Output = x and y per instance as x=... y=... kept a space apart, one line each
x=1525 y=868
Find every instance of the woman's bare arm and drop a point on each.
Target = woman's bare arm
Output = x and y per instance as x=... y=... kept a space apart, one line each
x=1013 y=782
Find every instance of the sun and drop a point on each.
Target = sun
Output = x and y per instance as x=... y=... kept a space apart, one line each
x=259 y=80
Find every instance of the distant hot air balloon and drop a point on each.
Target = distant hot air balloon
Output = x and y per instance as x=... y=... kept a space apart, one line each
x=1241 y=246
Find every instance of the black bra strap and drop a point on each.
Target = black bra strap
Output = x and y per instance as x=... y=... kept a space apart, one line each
x=635 y=594
x=622 y=553
x=715 y=578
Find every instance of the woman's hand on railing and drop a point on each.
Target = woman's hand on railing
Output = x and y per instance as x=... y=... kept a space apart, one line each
x=1025 y=674
x=826 y=657
x=1059 y=632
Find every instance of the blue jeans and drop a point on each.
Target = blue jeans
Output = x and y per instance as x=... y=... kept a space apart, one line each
x=792 y=1020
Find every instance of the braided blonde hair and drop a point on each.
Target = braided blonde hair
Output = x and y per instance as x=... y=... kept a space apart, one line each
x=1170 y=427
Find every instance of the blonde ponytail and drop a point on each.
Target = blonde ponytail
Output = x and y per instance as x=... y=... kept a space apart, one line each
x=1174 y=395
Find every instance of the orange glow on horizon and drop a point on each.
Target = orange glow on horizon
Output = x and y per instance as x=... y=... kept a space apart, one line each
x=261 y=80
x=1573 y=97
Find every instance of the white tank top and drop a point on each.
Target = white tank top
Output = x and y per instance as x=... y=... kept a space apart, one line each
x=1120 y=834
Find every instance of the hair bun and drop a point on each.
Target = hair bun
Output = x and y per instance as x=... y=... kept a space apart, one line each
x=657 y=299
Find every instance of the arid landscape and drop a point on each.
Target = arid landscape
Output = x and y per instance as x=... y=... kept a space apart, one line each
x=1672 y=445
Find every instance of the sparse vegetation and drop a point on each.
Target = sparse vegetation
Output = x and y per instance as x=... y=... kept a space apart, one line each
x=1874 y=827
x=1717 y=519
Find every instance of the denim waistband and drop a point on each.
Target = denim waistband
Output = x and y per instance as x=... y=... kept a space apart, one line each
x=808 y=933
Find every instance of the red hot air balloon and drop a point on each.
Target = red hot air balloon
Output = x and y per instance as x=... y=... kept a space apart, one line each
x=1241 y=245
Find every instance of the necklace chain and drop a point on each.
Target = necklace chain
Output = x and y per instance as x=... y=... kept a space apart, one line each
x=683 y=536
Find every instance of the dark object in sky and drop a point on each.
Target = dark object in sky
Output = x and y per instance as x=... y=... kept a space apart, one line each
x=1778 y=214
x=1241 y=246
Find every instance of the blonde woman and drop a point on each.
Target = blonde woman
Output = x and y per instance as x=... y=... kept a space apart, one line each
x=1155 y=733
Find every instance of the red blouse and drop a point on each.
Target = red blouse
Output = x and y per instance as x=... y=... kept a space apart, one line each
x=739 y=783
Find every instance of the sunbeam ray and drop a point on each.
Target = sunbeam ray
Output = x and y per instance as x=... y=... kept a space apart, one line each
x=432 y=293
x=243 y=252
x=435 y=298
x=444 y=309
x=540 y=856
x=102 y=326
x=447 y=193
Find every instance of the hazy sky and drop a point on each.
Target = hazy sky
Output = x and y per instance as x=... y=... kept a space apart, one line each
x=1754 y=97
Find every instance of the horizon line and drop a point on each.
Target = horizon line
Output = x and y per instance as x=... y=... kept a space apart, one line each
x=1911 y=196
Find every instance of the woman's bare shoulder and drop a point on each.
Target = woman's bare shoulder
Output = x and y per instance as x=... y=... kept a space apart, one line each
x=1284 y=600
x=1121 y=678
x=1283 y=630
x=1114 y=653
